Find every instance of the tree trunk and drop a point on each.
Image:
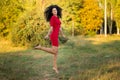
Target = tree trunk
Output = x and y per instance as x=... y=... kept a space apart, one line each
x=101 y=30
x=111 y=21
x=73 y=28
x=105 y=18
x=118 y=30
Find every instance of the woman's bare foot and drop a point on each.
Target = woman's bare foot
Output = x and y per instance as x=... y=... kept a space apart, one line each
x=56 y=70
x=37 y=47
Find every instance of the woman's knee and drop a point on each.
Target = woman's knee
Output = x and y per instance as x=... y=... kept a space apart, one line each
x=55 y=50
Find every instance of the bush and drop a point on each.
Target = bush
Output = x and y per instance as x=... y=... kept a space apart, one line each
x=30 y=30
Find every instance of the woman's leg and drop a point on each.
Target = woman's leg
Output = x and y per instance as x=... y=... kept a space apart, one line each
x=55 y=63
x=54 y=51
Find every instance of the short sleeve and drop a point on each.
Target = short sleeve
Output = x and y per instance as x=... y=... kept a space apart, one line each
x=52 y=21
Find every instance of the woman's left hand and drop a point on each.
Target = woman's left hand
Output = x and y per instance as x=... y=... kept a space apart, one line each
x=63 y=36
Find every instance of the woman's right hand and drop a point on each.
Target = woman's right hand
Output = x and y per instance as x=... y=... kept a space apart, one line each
x=46 y=37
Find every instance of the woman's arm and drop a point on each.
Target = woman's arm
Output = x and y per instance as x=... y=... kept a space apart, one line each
x=49 y=32
x=61 y=32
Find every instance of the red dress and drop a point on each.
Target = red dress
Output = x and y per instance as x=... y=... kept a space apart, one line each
x=55 y=23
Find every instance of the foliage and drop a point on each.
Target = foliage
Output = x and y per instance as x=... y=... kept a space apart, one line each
x=71 y=19
x=30 y=30
x=10 y=9
x=111 y=12
x=91 y=16
x=29 y=35
x=23 y=21
x=117 y=13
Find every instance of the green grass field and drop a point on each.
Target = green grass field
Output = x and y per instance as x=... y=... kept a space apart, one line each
x=81 y=58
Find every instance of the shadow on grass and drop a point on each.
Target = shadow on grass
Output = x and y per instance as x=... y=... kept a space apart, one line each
x=100 y=61
x=88 y=62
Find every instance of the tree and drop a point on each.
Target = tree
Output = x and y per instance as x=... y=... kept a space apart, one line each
x=31 y=27
x=111 y=5
x=10 y=10
x=111 y=10
x=71 y=19
x=117 y=16
x=91 y=17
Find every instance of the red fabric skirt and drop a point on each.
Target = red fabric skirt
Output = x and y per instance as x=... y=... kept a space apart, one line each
x=54 y=41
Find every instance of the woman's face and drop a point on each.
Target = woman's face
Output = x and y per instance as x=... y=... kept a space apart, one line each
x=54 y=11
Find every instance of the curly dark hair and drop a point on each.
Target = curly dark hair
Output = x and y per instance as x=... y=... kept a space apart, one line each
x=48 y=12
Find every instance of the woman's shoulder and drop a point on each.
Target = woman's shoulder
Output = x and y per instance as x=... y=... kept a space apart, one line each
x=53 y=17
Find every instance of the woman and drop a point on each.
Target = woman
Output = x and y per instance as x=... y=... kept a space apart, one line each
x=52 y=15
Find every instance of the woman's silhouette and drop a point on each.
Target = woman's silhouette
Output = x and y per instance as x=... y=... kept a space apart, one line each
x=52 y=15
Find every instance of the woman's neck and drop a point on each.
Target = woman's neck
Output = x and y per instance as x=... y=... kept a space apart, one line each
x=55 y=15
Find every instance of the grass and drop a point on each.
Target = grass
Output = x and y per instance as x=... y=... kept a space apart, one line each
x=81 y=58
